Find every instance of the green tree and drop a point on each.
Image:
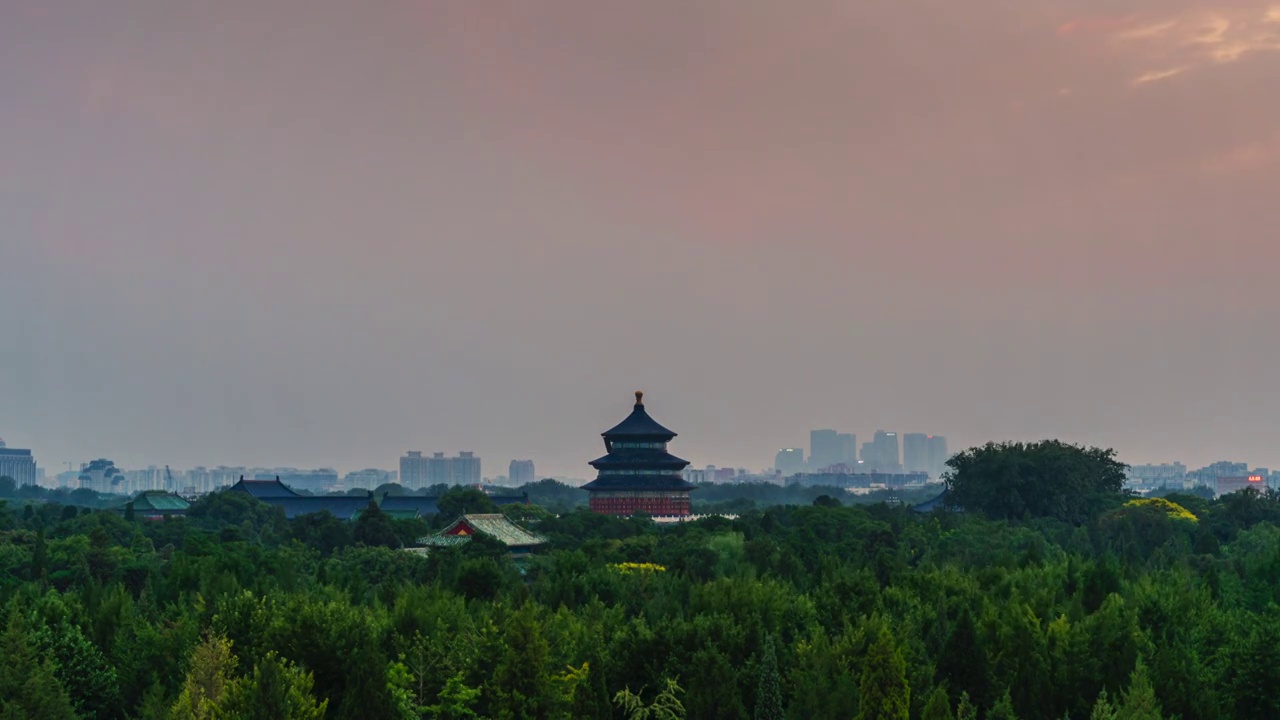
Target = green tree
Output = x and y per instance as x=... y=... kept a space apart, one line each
x=885 y=694
x=1003 y=709
x=938 y=707
x=666 y=704
x=82 y=669
x=275 y=690
x=374 y=528
x=769 y=691
x=207 y=681
x=1044 y=479
x=1103 y=709
x=29 y=687
x=965 y=709
x=455 y=701
x=1139 y=701
x=521 y=685
x=459 y=500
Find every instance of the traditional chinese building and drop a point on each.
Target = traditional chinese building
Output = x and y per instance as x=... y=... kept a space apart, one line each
x=638 y=475
x=519 y=542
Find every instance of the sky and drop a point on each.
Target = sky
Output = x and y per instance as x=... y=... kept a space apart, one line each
x=322 y=233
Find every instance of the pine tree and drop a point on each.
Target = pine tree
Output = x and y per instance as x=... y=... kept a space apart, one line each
x=28 y=687
x=276 y=690
x=1103 y=709
x=769 y=692
x=938 y=707
x=521 y=685
x=885 y=694
x=1139 y=701
x=207 y=680
x=965 y=709
x=1003 y=709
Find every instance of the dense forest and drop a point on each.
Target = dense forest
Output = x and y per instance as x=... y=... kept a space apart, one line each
x=1042 y=592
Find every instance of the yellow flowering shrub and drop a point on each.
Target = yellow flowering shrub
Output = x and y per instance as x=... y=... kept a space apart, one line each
x=1172 y=509
x=632 y=568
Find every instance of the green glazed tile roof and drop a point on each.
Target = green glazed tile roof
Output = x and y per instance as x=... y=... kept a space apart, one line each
x=495 y=525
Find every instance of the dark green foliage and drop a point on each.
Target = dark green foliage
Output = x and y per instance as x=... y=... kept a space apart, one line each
x=883 y=692
x=460 y=500
x=768 y=689
x=1045 y=479
x=375 y=529
x=938 y=707
x=781 y=611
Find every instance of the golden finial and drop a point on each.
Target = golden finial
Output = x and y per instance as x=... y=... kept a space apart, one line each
x=639 y=397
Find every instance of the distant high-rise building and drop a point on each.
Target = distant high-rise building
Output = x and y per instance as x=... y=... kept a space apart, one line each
x=915 y=452
x=520 y=472
x=466 y=469
x=101 y=476
x=848 y=449
x=937 y=455
x=17 y=464
x=413 y=470
x=884 y=453
x=439 y=469
x=825 y=449
x=789 y=461
x=369 y=478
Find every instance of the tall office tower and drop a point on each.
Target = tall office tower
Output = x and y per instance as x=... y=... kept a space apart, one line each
x=885 y=449
x=937 y=454
x=915 y=452
x=17 y=464
x=825 y=449
x=413 y=470
x=520 y=472
x=466 y=469
x=789 y=461
x=849 y=449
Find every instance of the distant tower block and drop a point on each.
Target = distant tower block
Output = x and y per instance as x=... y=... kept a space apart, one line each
x=638 y=475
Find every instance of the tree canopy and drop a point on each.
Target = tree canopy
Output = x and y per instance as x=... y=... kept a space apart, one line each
x=1049 y=479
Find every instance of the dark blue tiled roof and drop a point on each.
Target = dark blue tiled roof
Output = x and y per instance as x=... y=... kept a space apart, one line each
x=638 y=425
x=343 y=507
x=263 y=489
x=655 y=459
x=655 y=483
x=421 y=504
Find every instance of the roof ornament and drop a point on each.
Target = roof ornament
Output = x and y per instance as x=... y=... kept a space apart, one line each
x=639 y=397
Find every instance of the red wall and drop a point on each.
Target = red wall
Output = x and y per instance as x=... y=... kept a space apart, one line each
x=675 y=504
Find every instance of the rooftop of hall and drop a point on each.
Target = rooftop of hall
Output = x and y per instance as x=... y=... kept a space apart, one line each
x=639 y=458
x=494 y=525
x=263 y=489
x=639 y=483
x=638 y=425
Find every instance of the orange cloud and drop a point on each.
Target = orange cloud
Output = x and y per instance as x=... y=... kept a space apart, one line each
x=1245 y=158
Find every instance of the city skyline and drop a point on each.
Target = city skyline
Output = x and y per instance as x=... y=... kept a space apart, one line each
x=322 y=233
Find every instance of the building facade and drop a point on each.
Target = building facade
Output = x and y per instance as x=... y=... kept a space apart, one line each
x=17 y=464
x=789 y=461
x=638 y=475
x=520 y=472
x=417 y=471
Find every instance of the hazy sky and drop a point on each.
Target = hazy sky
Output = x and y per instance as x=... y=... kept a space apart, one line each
x=323 y=232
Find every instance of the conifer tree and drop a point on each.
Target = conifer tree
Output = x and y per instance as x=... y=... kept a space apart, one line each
x=1139 y=701
x=1003 y=709
x=884 y=693
x=769 y=692
x=207 y=680
x=1103 y=709
x=275 y=690
x=28 y=687
x=965 y=709
x=938 y=707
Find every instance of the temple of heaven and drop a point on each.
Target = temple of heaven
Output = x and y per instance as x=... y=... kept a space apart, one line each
x=638 y=475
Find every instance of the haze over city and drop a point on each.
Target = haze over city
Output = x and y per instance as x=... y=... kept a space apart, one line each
x=323 y=233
